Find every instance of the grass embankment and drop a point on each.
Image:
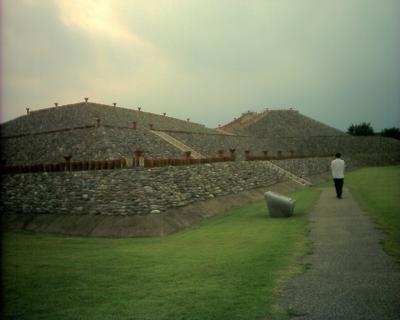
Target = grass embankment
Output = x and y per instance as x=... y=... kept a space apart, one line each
x=227 y=268
x=377 y=189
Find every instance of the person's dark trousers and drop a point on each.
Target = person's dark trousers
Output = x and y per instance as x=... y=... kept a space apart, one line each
x=339 y=187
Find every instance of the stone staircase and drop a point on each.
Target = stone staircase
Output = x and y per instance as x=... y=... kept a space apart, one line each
x=244 y=121
x=289 y=175
x=176 y=143
x=225 y=132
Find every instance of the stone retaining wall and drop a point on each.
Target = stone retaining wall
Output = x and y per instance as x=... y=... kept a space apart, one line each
x=373 y=159
x=345 y=144
x=135 y=191
x=140 y=191
x=314 y=166
x=305 y=167
x=209 y=145
x=307 y=146
x=113 y=143
x=85 y=144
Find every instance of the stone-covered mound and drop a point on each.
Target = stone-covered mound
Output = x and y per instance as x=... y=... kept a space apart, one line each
x=90 y=131
x=279 y=123
x=86 y=114
x=149 y=201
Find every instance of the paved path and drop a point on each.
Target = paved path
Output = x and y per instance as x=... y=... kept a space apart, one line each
x=350 y=276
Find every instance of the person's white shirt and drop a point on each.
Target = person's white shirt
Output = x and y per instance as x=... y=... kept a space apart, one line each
x=337 y=167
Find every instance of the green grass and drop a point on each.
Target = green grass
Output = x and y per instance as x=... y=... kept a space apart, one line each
x=230 y=267
x=227 y=268
x=377 y=189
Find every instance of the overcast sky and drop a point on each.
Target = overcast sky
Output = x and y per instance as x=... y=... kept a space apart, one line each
x=337 y=61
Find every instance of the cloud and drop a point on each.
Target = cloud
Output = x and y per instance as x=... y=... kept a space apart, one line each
x=207 y=60
x=121 y=59
x=98 y=18
x=59 y=55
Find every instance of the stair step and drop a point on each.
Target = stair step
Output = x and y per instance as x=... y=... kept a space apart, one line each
x=290 y=175
x=178 y=144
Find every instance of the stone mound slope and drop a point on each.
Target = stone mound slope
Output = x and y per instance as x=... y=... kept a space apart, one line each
x=86 y=114
x=89 y=131
x=243 y=121
x=279 y=123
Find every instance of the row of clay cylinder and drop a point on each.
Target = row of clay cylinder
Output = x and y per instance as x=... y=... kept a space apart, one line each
x=133 y=126
x=138 y=160
x=150 y=163
x=266 y=155
x=66 y=166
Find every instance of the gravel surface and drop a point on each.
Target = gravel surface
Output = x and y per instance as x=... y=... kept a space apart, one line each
x=349 y=275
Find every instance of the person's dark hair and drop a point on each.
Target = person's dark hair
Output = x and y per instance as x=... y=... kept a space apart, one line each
x=338 y=155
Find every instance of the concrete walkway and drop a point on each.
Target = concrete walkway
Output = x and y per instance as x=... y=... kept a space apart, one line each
x=349 y=275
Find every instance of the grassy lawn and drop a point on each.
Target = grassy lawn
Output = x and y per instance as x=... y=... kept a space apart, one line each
x=377 y=189
x=226 y=268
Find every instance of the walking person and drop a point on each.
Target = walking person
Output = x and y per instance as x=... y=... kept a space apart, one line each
x=337 y=167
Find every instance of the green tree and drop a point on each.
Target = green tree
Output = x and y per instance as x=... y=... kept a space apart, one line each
x=391 y=133
x=362 y=129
